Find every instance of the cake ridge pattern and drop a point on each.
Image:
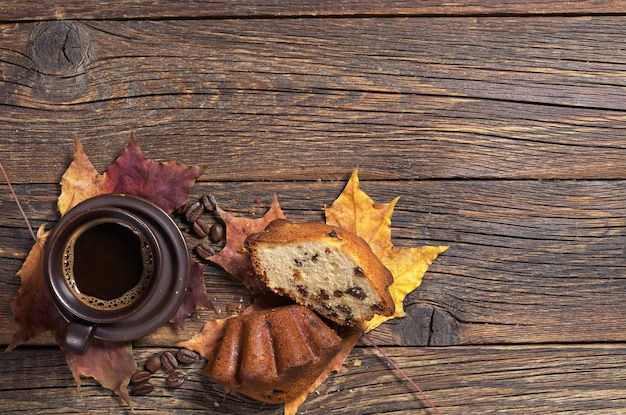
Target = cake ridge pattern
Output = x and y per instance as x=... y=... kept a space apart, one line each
x=273 y=355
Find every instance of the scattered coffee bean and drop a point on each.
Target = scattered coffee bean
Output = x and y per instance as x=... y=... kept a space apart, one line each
x=142 y=388
x=169 y=362
x=204 y=250
x=175 y=379
x=209 y=202
x=216 y=233
x=205 y=228
x=194 y=212
x=198 y=229
x=140 y=376
x=153 y=363
x=186 y=356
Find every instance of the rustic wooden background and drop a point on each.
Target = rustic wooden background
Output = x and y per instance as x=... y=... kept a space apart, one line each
x=500 y=124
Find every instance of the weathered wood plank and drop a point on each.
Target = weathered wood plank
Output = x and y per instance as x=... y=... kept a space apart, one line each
x=290 y=106
x=484 y=98
x=24 y=10
x=530 y=262
x=459 y=380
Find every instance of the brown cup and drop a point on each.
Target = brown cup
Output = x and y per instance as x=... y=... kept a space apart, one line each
x=116 y=268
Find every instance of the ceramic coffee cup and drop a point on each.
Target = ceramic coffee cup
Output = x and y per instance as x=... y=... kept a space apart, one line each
x=116 y=268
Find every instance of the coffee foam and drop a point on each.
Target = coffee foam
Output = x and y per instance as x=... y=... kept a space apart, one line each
x=130 y=296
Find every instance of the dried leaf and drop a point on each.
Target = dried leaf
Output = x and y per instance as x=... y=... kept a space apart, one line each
x=34 y=312
x=111 y=364
x=80 y=181
x=232 y=257
x=407 y=266
x=165 y=184
x=196 y=296
x=204 y=342
x=348 y=340
x=213 y=331
x=354 y=210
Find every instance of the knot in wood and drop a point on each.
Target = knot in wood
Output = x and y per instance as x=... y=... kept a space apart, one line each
x=444 y=329
x=59 y=48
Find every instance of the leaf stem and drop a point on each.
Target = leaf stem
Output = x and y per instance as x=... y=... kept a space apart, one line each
x=19 y=205
x=417 y=388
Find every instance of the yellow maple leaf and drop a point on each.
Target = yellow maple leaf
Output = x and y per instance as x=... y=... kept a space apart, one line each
x=81 y=181
x=355 y=211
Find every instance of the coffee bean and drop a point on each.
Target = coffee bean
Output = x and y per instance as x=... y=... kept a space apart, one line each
x=153 y=363
x=175 y=379
x=169 y=362
x=198 y=229
x=142 y=388
x=186 y=356
x=140 y=376
x=194 y=212
x=209 y=202
x=216 y=233
x=204 y=250
x=201 y=228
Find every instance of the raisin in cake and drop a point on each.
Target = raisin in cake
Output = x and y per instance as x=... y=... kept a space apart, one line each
x=326 y=268
x=273 y=355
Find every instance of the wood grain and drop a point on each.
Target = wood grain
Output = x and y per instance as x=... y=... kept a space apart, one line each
x=13 y=10
x=459 y=380
x=521 y=98
x=499 y=124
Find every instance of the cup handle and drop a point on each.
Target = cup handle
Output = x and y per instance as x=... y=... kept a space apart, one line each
x=78 y=336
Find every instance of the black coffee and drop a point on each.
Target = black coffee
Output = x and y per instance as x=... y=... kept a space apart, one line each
x=108 y=264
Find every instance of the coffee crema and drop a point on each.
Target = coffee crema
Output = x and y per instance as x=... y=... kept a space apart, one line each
x=108 y=264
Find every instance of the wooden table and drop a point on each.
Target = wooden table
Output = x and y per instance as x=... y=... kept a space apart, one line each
x=500 y=124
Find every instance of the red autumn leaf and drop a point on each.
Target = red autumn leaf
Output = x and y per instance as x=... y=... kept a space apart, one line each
x=165 y=184
x=233 y=257
x=112 y=364
x=35 y=314
x=196 y=296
